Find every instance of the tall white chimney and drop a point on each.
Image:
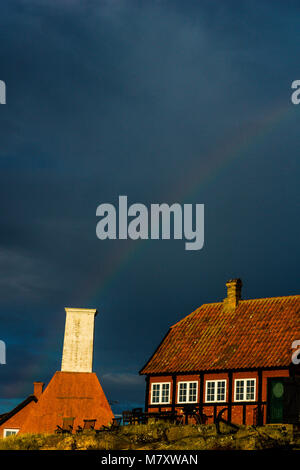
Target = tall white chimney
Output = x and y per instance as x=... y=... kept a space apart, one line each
x=78 y=340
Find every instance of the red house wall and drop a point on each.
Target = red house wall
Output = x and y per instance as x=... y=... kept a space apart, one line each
x=237 y=410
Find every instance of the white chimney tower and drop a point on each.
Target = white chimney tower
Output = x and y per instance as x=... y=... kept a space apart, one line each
x=78 y=340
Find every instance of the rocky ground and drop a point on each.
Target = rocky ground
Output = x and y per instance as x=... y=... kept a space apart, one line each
x=162 y=436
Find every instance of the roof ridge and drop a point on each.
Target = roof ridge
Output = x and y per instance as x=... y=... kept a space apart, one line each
x=242 y=300
x=270 y=298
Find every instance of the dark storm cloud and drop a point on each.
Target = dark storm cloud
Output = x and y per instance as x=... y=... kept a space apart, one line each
x=122 y=97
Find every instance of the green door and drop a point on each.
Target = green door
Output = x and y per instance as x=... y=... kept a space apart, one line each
x=276 y=392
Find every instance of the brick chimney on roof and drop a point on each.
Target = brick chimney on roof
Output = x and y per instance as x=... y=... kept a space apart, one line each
x=234 y=294
x=38 y=389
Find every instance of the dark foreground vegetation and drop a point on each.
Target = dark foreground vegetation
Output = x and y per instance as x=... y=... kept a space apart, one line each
x=162 y=436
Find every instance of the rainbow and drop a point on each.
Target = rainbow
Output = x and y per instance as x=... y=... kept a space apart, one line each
x=218 y=160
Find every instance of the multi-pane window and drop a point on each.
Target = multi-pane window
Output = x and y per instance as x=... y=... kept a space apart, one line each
x=165 y=393
x=210 y=391
x=221 y=390
x=187 y=392
x=10 y=432
x=182 y=393
x=244 y=390
x=160 y=393
x=215 y=390
x=155 y=393
x=193 y=388
x=239 y=390
x=250 y=389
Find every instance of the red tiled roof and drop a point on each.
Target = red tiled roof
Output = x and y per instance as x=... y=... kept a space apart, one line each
x=69 y=394
x=257 y=333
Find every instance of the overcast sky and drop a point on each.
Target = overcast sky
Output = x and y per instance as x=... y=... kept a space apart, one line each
x=162 y=101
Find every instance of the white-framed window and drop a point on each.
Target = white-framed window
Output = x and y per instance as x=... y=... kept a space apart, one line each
x=244 y=389
x=187 y=392
x=10 y=432
x=215 y=391
x=160 y=393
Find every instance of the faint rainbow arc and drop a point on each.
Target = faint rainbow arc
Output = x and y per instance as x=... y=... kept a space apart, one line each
x=218 y=160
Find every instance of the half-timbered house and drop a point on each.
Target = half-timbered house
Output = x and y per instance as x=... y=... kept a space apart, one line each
x=234 y=355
